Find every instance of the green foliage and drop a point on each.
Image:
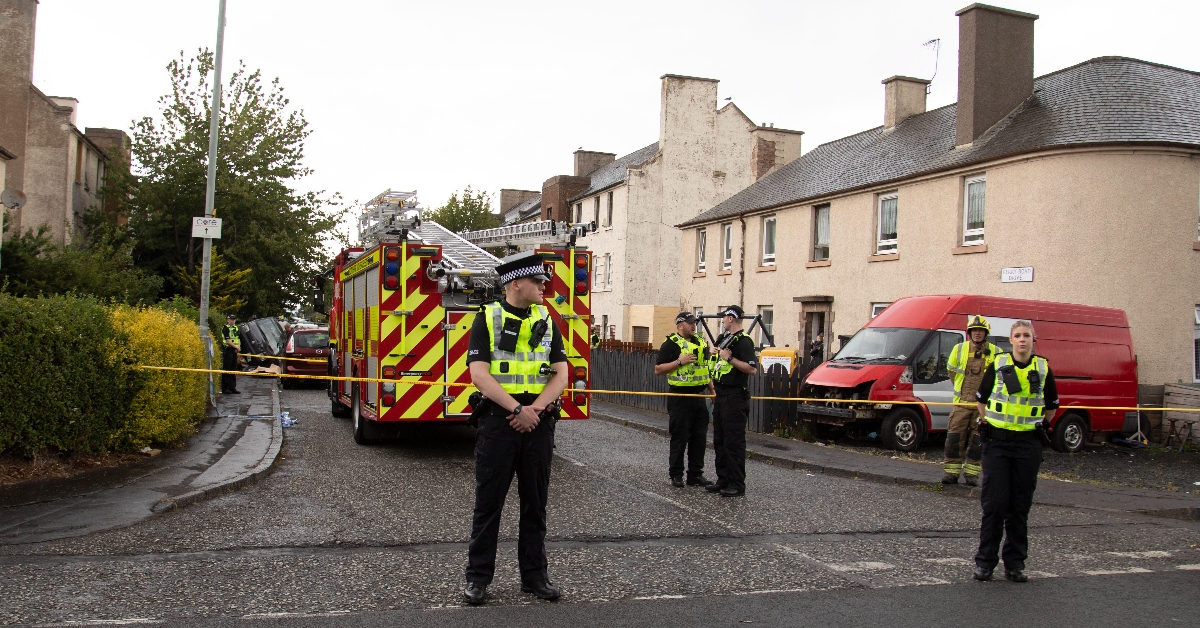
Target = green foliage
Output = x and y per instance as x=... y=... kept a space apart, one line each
x=101 y=265
x=223 y=284
x=269 y=227
x=168 y=404
x=180 y=305
x=472 y=211
x=63 y=384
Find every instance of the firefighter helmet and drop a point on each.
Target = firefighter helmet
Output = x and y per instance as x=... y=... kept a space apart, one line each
x=979 y=322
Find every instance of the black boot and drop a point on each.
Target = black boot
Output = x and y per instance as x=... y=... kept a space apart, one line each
x=475 y=593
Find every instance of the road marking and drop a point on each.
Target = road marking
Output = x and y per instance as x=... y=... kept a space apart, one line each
x=108 y=622
x=1041 y=574
x=864 y=565
x=1150 y=554
x=661 y=597
x=283 y=615
x=950 y=561
x=1188 y=567
x=1114 y=572
x=812 y=562
x=770 y=591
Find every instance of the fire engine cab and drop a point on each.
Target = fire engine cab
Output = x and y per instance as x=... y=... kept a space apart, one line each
x=404 y=301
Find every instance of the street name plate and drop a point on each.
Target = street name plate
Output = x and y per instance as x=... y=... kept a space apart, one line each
x=206 y=227
x=1013 y=275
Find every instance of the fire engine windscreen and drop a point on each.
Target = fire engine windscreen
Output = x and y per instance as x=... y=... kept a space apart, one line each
x=881 y=344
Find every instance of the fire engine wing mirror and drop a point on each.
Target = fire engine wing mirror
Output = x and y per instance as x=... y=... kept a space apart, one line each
x=318 y=297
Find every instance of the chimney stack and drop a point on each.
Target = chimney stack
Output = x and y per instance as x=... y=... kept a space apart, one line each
x=995 y=66
x=587 y=161
x=509 y=198
x=903 y=96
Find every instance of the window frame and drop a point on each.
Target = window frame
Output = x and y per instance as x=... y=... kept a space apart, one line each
x=816 y=225
x=889 y=246
x=768 y=327
x=727 y=246
x=968 y=232
x=598 y=273
x=768 y=259
x=701 y=249
x=578 y=212
x=608 y=216
x=608 y=271
x=876 y=310
x=596 y=210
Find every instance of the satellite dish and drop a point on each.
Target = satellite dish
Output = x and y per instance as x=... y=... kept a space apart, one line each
x=12 y=198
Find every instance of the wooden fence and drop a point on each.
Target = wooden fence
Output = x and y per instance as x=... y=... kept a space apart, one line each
x=630 y=366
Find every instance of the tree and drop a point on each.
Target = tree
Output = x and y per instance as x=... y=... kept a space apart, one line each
x=223 y=285
x=472 y=211
x=269 y=229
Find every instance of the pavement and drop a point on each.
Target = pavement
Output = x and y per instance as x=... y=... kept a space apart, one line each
x=810 y=457
x=226 y=453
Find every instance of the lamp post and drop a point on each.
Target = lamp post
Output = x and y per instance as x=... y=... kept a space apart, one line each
x=214 y=125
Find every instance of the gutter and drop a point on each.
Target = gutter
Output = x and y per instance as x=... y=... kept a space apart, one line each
x=742 y=268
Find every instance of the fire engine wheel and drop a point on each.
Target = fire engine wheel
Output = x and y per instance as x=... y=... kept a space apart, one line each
x=363 y=434
x=337 y=409
x=1070 y=433
x=903 y=429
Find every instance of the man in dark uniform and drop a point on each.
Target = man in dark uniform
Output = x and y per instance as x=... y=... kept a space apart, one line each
x=230 y=346
x=516 y=358
x=731 y=367
x=1017 y=399
x=683 y=358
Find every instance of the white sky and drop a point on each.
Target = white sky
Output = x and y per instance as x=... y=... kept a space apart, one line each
x=436 y=95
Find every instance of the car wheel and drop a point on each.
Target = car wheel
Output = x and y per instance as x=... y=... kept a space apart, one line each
x=1070 y=433
x=903 y=429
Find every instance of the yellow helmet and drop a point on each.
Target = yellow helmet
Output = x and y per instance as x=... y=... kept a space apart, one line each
x=979 y=322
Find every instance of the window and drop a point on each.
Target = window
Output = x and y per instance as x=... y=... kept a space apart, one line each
x=877 y=308
x=641 y=334
x=1196 y=348
x=608 y=213
x=598 y=274
x=768 y=231
x=974 y=198
x=727 y=246
x=767 y=321
x=608 y=270
x=698 y=312
x=596 y=212
x=929 y=367
x=886 y=233
x=578 y=212
x=701 y=245
x=820 y=233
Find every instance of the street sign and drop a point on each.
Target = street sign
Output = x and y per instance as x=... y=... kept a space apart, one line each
x=206 y=227
x=1013 y=275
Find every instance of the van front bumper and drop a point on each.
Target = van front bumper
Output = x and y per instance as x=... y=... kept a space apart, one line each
x=831 y=414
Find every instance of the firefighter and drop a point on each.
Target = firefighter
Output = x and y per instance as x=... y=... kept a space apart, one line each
x=1017 y=399
x=516 y=358
x=968 y=360
x=731 y=368
x=683 y=358
x=230 y=346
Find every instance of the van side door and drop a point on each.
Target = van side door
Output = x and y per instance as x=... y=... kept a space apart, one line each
x=931 y=379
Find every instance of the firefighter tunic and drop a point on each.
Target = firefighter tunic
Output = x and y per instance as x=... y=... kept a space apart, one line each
x=962 y=435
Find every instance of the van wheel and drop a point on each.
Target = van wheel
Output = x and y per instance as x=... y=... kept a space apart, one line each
x=903 y=429
x=1070 y=433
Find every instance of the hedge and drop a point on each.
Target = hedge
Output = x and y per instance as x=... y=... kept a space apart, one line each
x=69 y=380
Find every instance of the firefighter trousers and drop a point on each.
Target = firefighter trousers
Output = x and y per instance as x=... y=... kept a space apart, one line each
x=229 y=362
x=1010 y=466
x=500 y=453
x=688 y=425
x=962 y=439
x=730 y=411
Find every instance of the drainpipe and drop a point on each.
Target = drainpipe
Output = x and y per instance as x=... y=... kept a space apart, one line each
x=742 y=268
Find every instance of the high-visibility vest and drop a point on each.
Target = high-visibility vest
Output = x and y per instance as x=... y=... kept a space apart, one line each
x=720 y=368
x=693 y=373
x=1023 y=410
x=233 y=340
x=957 y=365
x=519 y=371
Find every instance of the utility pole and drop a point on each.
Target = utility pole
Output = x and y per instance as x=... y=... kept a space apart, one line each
x=214 y=125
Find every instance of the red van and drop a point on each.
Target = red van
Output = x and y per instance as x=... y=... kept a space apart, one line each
x=901 y=355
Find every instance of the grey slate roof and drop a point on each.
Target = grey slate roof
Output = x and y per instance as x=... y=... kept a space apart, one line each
x=523 y=209
x=607 y=176
x=1101 y=101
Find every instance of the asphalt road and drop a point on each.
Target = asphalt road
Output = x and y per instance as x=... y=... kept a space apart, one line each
x=348 y=535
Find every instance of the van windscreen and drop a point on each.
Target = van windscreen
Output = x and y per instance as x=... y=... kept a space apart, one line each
x=881 y=344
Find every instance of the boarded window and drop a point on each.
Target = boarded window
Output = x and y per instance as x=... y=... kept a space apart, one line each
x=641 y=334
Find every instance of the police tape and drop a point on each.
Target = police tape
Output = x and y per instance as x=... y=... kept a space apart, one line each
x=593 y=391
x=277 y=357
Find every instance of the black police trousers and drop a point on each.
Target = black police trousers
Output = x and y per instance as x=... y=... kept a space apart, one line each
x=501 y=452
x=229 y=362
x=730 y=411
x=1010 y=466
x=688 y=426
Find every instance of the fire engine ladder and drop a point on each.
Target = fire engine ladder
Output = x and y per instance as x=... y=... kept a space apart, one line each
x=387 y=215
x=461 y=254
x=539 y=232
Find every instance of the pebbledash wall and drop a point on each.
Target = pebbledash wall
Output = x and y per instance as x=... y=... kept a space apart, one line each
x=703 y=156
x=1108 y=227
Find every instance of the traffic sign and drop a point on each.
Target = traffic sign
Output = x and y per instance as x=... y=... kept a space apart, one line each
x=206 y=227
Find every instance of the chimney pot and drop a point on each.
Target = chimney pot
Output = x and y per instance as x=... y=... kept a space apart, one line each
x=903 y=97
x=995 y=67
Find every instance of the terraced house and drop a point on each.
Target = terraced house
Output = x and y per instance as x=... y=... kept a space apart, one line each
x=1080 y=186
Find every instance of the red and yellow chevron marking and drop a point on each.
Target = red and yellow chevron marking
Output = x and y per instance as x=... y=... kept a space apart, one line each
x=456 y=341
x=413 y=342
x=573 y=319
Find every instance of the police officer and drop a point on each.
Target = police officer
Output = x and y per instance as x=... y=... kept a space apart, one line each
x=516 y=358
x=732 y=365
x=683 y=358
x=230 y=346
x=1017 y=399
x=968 y=360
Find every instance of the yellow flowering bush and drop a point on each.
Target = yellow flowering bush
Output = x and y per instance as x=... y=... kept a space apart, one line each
x=167 y=405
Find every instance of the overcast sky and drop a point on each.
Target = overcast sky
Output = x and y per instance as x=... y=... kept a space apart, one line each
x=437 y=95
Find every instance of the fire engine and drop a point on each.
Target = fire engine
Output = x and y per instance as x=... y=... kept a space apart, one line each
x=404 y=301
